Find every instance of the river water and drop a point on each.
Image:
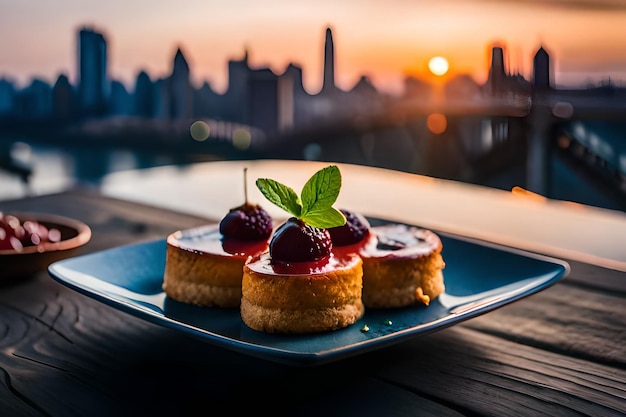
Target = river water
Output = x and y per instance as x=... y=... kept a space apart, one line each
x=56 y=169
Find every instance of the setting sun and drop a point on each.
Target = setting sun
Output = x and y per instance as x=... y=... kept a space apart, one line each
x=438 y=65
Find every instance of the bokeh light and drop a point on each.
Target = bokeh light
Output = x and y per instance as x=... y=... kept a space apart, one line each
x=242 y=138
x=563 y=142
x=200 y=131
x=563 y=110
x=437 y=123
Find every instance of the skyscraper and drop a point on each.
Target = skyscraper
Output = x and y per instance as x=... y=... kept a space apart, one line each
x=497 y=74
x=235 y=97
x=541 y=70
x=62 y=99
x=92 y=73
x=144 y=105
x=262 y=100
x=329 y=63
x=179 y=89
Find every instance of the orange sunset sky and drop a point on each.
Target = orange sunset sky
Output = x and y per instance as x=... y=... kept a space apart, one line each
x=384 y=40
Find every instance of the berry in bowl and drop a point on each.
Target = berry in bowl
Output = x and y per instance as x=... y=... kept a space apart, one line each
x=30 y=242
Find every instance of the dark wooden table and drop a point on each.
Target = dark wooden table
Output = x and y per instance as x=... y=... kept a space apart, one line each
x=561 y=351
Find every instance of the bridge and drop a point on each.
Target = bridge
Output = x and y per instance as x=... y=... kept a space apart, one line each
x=491 y=132
x=485 y=136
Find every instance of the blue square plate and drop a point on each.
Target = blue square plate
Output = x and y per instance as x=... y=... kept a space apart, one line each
x=479 y=277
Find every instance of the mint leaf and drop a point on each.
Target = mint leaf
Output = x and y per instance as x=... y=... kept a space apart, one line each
x=325 y=219
x=315 y=205
x=281 y=195
x=321 y=190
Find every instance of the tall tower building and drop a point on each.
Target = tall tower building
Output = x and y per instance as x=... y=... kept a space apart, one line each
x=291 y=96
x=7 y=97
x=497 y=74
x=235 y=97
x=262 y=100
x=62 y=99
x=329 y=63
x=541 y=70
x=144 y=104
x=92 y=73
x=180 y=92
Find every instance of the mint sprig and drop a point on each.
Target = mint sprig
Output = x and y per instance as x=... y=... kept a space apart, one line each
x=315 y=204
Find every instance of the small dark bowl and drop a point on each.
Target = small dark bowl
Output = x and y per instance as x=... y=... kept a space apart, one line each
x=32 y=259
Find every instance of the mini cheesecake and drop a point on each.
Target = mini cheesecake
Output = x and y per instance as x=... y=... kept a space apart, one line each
x=301 y=297
x=204 y=269
x=402 y=266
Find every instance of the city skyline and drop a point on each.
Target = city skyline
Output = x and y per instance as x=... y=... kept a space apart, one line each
x=384 y=62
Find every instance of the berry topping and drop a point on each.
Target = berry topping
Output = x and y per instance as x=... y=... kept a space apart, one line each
x=355 y=229
x=296 y=241
x=247 y=222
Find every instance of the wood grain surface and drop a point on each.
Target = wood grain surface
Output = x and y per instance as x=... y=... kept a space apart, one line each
x=558 y=352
